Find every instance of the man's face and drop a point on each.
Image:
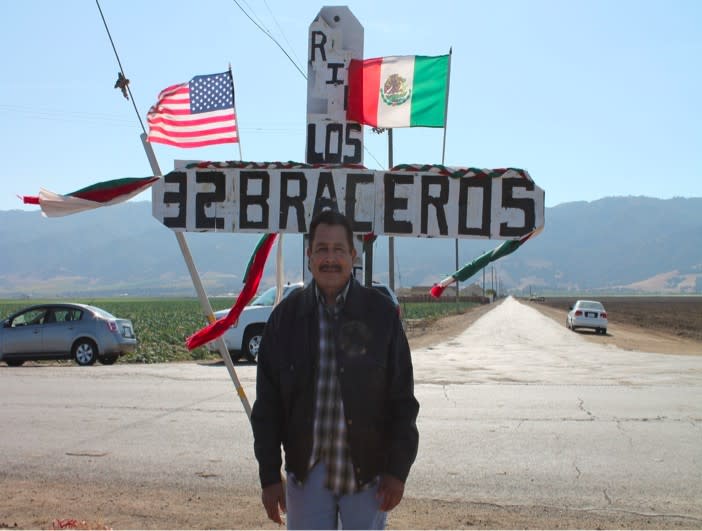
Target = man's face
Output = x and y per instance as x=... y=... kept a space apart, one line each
x=331 y=258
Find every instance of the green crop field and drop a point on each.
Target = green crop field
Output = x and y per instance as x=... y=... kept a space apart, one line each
x=162 y=325
x=434 y=310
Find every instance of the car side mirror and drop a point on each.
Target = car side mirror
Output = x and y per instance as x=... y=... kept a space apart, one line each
x=570 y=307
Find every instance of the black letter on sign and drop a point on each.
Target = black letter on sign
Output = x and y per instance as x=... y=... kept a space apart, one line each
x=321 y=202
x=246 y=200
x=335 y=71
x=465 y=186
x=352 y=180
x=355 y=142
x=312 y=156
x=204 y=199
x=438 y=202
x=319 y=45
x=287 y=202
x=180 y=198
x=524 y=204
x=329 y=156
x=393 y=203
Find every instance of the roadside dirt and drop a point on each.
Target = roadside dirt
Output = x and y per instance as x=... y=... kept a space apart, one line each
x=32 y=504
x=630 y=337
x=422 y=334
x=75 y=505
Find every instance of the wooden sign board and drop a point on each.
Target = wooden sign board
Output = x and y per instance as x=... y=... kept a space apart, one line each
x=335 y=37
x=499 y=204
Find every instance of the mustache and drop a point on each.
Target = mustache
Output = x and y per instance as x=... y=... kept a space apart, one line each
x=330 y=268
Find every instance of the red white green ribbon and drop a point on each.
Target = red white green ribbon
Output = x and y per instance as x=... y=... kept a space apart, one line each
x=472 y=267
x=247 y=165
x=252 y=279
x=94 y=196
x=459 y=172
x=498 y=252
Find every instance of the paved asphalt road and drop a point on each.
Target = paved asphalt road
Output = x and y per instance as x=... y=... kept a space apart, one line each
x=516 y=410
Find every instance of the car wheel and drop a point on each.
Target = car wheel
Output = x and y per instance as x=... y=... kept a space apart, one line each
x=108 y=360
x=604 y=331
x=252 y=342
x=14 y=363
x=85 y=352
x=567 y=324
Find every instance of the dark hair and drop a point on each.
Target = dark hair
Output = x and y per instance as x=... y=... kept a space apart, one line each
x=331 y=217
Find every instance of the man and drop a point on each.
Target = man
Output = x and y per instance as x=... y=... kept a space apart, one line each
x=335 y=388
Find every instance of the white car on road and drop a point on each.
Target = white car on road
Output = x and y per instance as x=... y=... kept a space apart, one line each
x=587 y=314
x=244 y=336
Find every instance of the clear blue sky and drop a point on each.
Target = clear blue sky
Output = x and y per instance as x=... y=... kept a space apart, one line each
x=594 y=98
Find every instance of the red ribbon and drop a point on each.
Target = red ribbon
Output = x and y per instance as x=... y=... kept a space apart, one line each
x=436 y=290
x=253 y=279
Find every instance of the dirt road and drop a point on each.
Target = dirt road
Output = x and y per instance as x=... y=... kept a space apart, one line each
x=111 y=502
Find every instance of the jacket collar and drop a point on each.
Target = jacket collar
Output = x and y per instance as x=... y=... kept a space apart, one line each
x=353 y=306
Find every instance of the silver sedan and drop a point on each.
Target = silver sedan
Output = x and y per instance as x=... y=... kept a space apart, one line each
x=65 y=331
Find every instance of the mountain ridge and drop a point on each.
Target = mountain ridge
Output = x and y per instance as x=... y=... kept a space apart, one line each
x=631 y=243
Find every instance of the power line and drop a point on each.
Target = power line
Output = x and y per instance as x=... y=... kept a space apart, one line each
x=253 y=12
x=268 y=34
x=131 y=97
x=292 y=50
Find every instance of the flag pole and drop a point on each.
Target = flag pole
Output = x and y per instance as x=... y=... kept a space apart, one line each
x=443 y=156
x=197 y=283
x=448 y=84
x=391 y=239
x=200 y=289
x=238 y=129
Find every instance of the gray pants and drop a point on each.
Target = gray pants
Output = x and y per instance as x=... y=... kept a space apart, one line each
x=311 y=505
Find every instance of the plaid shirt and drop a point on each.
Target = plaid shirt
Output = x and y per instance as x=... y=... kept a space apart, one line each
x=329 y=442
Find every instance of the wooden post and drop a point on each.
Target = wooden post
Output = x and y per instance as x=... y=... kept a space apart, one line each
x=200 y=289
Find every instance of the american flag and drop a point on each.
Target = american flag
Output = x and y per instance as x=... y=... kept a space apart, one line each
x=195 y=114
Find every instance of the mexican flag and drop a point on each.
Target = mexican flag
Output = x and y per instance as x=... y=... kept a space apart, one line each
x=399 y=91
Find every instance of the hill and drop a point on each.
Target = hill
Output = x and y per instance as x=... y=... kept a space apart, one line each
x=615 y=243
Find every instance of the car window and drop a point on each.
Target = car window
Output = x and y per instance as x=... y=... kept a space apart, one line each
x=385 y=291
x=100 y=312
x=65 y=315
x=267 y=298
x=30 y=317
x=290 y=289
x=591 y=305
x=382 y=290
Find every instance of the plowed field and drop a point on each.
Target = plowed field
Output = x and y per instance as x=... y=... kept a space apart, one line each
x=680 y=316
